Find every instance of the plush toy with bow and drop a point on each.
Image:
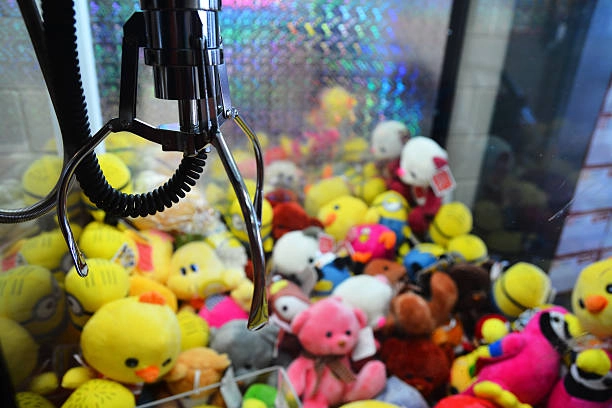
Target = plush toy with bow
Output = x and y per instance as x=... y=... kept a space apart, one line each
x=421 y=163
x=322 y=376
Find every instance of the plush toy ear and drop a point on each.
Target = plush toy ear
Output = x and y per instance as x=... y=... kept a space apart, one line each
x=440 y=162
x=361 y=317
x=299 y=320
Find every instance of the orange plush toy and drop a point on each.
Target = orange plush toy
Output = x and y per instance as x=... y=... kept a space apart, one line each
x=411 y=314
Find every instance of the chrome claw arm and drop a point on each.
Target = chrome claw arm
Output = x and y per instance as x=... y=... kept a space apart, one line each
x=62 y=195
x=258 y=315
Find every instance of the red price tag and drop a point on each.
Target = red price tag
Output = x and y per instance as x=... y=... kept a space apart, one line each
x=326 y=243
x=443 y=181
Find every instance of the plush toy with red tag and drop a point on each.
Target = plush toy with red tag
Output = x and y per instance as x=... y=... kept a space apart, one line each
x=322 y=376
x=424 y=170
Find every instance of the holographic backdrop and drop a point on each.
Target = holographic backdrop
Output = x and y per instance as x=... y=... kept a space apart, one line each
x=280 y=54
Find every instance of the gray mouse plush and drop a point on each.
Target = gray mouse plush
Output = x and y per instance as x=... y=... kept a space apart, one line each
x=248 y=350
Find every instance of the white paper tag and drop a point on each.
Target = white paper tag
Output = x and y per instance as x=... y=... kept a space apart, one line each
x=366 y=345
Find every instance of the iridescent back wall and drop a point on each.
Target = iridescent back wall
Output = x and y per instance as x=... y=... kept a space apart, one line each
x=280 y=54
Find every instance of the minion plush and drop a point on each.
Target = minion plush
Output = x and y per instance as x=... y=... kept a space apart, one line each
x=100 y=392
x=19 y=349
x=236 y=224
x=106 y=281
x=39 y=179
x=471 y=247
x=31 y=296
x=520 y=287
x=117 y=174
x=391 y=209
x=100 y=240
x=451 y=220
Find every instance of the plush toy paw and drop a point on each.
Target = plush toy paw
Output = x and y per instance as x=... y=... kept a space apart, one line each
x=495 y=393
x=594 y=361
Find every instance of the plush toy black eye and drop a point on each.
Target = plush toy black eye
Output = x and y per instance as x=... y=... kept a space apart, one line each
x=348 y=332
x=429 y=379
x=328 y=334
x=581 y=303
x=183 y=271
x=194 y=267
x=131 y=362
x=336 y=207
x=609 y=288
x=168 y=361
x=413 y=174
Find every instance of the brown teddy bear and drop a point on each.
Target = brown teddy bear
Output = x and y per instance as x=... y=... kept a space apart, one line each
x=202 y=363
x=412 y=314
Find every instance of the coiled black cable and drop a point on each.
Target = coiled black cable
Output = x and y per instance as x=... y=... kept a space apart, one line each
x=60 y=34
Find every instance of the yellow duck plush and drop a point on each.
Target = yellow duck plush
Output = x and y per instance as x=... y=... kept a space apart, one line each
x=99 y=392
x=132 y=340
x=31 y=296
x=105 y=282
x=340 y=214
x=323 y=191
x=155 y=249
x=196 y=272
x=592 y=298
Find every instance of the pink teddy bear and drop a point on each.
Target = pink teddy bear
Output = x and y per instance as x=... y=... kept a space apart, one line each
x=322 y=376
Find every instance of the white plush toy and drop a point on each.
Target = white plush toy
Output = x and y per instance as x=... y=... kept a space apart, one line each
x=371 y=294
x=294 y=257
x=423 y=169
x=387 y=140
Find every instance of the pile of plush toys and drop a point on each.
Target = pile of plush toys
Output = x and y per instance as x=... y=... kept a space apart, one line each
x=379 y=296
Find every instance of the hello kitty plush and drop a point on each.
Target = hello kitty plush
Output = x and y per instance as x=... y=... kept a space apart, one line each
x=328 y=332
x=423 y=166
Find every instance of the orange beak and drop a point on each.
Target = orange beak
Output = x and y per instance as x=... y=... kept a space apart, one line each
x=329 y=220
x=362 y=257
x=148 y=374
x=388 y=239
x=595 y=303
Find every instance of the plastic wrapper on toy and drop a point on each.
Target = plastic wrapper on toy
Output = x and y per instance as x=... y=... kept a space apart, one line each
x=269 y=385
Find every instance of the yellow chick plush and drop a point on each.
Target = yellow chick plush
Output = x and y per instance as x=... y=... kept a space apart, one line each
x=100 y=392
x=132 y=340
x=105 y=282
x=29 y=399
x=100 y=240
x=451 y=220
x=140 y=284
x=31 y=296
x=19 y=349
x=322 y=192
x=195 y=332
x=592 y=300
x=196 y=272
x=340 y=214
x=522 y=286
